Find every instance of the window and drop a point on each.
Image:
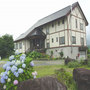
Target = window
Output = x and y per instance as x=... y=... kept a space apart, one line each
x=52 y=40
x=63 y=21
x=73 y=40
x=81 y=26
x=52 y=24
x=62 y=40
x=76 y=24
x=82 y=41
x=20 y=45
x=16 y=45
x=56 y=39
x=47 y=30
x=58 y=23
x=48 y=45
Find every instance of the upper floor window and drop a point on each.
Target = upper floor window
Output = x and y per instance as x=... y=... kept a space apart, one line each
x=62 y=40
x=63 y=21
x=82 y=41
x=20 y=45
x=76 y=23
x=47 y=30
x=56 y=39
x=58 y=23
x=52 y=40
x=52 y=24
x=73 y=40
x=81 y=26
x=48 y=45
x=16 y=45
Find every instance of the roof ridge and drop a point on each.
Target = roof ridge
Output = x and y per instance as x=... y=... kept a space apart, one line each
x=54 y=13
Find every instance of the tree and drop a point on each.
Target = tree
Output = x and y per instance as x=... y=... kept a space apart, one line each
x=6 y=45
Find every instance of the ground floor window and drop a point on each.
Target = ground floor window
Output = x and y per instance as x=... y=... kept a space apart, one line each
x=62 y=40
x=20 y=45
x=48 y=45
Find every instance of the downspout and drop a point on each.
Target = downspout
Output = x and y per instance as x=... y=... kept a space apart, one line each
x=71 y=30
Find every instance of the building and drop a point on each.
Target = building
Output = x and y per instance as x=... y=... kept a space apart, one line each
x=64 y=30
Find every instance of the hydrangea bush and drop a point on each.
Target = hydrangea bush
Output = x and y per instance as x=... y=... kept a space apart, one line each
x=17 y=69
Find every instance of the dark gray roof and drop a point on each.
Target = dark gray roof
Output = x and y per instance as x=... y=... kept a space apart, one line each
x=61 y=13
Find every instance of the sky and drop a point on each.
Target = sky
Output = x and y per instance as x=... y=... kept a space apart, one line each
x=17 y=16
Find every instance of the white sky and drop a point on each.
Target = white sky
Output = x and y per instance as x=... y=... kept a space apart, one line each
x=17 y=16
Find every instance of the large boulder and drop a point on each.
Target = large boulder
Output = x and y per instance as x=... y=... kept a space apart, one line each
x=45 y=83
x=82 y=78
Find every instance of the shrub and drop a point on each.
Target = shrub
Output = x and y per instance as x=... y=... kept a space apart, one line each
x=61 y=54
x=34 y=55
x=66 y=78
x=18 y=69
x=88 y=63
x=73 y=64
x=88 y=55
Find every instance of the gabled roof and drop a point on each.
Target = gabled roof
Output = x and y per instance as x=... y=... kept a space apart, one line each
x=59 y=14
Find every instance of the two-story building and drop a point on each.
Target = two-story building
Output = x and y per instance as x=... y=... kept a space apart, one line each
x=64 y=30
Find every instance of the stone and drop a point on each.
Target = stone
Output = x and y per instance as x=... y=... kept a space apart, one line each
x=82 y=78
x=67 y=60
x=45 y=83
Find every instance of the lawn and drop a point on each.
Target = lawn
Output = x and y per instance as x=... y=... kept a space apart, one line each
x=5 y=59
x=50 y=69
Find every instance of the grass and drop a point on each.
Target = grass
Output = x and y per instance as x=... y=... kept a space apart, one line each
x=49 y=70
x=5 y=59
x=1 y=70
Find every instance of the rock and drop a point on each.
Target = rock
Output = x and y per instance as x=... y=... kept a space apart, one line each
x=67 y=60
x=82 y=78
x=45 y=83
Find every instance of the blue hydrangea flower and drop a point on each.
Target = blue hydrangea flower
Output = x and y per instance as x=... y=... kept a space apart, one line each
x=2 y=80
x=23 y=65
x=8 y=63
x=22 y=57
x=17 y=52
x=16 y=74
x=18 y=62
x=8 y=68
x=4 y=66
x=13 y=69
x=32 y=63
x=20 y=70
x=6 y=77
x=11 y=57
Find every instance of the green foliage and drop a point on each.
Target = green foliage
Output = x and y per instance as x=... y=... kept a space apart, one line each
x=6 y=45
x=35 y=55
x=66 y=78
x=25 y=75
x=73 y=64
x=88 y=51
x=88 y=56
x=88 y=63
x=51 y=54
x=38 y=56
x=61 y=54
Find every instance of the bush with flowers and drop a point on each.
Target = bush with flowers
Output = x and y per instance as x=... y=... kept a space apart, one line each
x=19 y=68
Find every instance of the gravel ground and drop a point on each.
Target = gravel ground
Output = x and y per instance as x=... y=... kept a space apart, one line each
x=56 y=62
x=41 y=63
